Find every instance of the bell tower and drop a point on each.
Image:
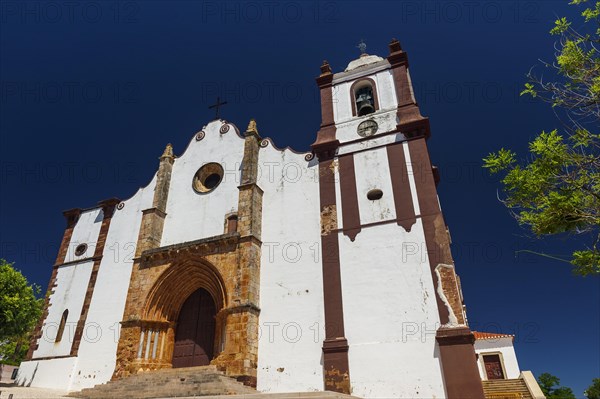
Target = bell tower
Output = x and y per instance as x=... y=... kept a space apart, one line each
x=389 y=283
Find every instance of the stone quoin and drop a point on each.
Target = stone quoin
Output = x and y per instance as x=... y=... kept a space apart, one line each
x=290 y=272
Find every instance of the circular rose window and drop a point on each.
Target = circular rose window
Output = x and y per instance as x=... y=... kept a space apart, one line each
x=207 y=178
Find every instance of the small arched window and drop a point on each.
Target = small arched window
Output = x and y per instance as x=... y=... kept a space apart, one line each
x=232 y=222
x=364 y=97
x=61 y=327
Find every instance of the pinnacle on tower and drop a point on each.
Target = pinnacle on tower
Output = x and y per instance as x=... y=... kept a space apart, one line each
x=325 y=68
x=168 y=153
x=395 y=46
x=252 y=129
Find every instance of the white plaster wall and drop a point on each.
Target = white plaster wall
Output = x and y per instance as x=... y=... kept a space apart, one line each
x=52 y=374
x=97 y=352
x=385 y=117
x=373 y=172
x=505 y=347
x=291 y=289
x=69 y=293
x=372 y=143
x=390 y=314
x=85 y=232
x=386 y=121
x=192 y=216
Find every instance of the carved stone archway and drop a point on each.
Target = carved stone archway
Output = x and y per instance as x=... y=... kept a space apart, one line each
x=164 y=302
x=162 y=280
x=177 y=283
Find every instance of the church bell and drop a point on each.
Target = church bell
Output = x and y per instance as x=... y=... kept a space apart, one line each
x=364 y=101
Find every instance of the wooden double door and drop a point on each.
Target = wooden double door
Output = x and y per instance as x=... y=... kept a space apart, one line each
x=195 y=331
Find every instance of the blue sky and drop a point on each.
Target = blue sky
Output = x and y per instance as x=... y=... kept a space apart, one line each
x=91 y=92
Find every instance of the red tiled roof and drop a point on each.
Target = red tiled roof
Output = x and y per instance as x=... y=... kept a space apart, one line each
x=485 y=335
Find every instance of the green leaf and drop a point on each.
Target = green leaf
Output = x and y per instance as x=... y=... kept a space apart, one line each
x=561 y=25
x=499 y=161
x=529 y=89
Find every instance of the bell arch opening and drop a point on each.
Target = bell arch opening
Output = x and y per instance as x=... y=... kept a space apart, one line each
x=364 y=97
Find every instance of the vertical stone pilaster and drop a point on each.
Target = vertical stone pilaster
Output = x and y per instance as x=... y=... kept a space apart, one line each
x=459 y=363
x=335 y=346
x=163 y=178
x=455 y=339
x=241 y=354
x=403 y=201
x=410 y=121
x=71 y=216
x=153 y=218
x=149 y=237
x=349 y=197
x=336 y=366
x=153 y=221
x=250 y=197
x=108 y=209
x=326 y=140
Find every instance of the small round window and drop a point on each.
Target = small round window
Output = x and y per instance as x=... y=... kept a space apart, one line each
x=207 y=178
x=80 y=249
x=375 y=195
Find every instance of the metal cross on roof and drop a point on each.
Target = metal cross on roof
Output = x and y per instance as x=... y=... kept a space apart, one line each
x=217 y=106
x=362 y=46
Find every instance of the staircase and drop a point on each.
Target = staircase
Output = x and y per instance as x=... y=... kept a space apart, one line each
x=506 y=389
x=193 y=381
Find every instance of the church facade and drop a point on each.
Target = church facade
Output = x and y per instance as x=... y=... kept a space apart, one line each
x=327 y=270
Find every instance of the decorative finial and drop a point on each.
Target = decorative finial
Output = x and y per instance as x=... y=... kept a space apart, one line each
x=325 y=68
x=362 y=46
x=168 y=153
x=395 y=46
x=252 y=129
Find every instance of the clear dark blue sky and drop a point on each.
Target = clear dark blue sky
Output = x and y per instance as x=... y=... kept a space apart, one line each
x=91 y=92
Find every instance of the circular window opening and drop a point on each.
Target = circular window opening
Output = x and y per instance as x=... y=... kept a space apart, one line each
x=374 y=195
x=211 y=181
x=80 y=249
x=207 y=178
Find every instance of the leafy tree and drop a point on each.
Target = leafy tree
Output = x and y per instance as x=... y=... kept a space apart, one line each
x=593 y=391
x=19 y=312
x=549 y=386
x=556 y=189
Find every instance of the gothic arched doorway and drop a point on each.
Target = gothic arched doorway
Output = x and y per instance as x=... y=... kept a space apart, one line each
x=195 y=331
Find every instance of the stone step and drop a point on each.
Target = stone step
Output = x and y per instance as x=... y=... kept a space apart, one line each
x=285 y=395
x=513 y=388
x=194 y=381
